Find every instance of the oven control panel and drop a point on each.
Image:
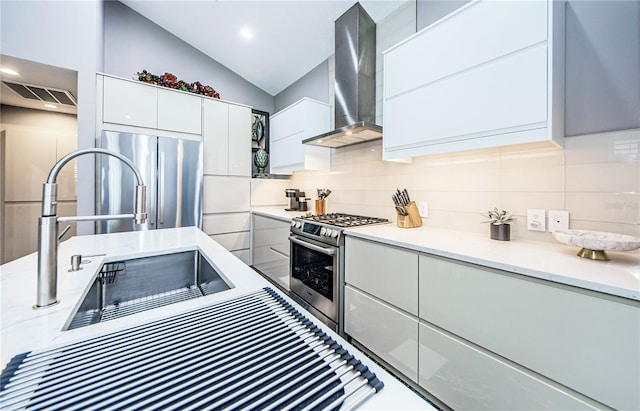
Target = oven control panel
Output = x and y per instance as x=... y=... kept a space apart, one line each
x=321 y=232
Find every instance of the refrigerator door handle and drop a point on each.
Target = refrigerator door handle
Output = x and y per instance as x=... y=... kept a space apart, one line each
x=161 y=189
x=152 y=196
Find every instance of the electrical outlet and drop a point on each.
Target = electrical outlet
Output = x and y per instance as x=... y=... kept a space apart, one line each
x=535 y=219
x=558 y=220
x=423 y=208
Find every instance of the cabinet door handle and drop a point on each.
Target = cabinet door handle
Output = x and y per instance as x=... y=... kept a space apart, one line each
x=161 y=188
x=152 y=194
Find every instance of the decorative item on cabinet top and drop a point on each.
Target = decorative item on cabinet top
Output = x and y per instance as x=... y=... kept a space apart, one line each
x=259 y=142
x=171 y=81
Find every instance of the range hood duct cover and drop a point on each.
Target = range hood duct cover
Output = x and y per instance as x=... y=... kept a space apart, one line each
x=355 y=85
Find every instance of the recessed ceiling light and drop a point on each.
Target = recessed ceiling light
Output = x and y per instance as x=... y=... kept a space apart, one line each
x=50 y=106
x=9 y=71
x=246 y=33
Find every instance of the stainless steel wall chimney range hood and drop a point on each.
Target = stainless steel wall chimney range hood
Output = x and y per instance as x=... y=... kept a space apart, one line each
x=355 y=85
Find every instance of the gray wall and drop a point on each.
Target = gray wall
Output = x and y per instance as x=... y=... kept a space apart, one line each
x=314 y=84
x=428 y=11
x=133 y=43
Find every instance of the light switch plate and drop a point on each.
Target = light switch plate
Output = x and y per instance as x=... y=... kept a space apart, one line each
x=535 y=219
x=558 y=220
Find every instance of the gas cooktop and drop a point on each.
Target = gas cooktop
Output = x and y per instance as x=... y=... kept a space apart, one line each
x=344 y=220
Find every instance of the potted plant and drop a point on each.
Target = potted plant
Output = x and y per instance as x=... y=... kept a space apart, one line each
x=500 y=230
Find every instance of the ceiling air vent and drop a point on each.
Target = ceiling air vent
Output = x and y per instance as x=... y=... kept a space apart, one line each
x=41 y=93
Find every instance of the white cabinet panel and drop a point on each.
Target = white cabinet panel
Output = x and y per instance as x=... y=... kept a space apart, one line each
x=179 y=111
x=233 y=241
x=286 y=154
x=226 y=223
x=239 y=140
x=386 y=272
x=270 y=248
x=216 y=137
x=226 y=194
x=303 y=119
x=67 y=178
x=227 y=139
x=448 y=42
x=489 y=74
x=243 y=255
x=130 y=103
x=518 y=101
x=465 y=378
x=564 y=333
x=384 y=330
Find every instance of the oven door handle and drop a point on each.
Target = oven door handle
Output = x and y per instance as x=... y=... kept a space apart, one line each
x=327 y=251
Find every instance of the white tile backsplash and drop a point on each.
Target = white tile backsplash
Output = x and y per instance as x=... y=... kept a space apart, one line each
x=599 y=186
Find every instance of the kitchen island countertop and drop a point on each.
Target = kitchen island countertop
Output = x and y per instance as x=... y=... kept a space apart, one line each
x=25 y=329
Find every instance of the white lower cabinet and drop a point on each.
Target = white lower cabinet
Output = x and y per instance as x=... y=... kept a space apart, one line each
x=489 y=339
x=466 y=377
x=384 y=330
x=230 y=230
x=270 y=248
x=584 y=340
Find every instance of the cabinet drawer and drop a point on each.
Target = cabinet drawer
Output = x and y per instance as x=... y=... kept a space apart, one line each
x=225 y=223
x=179 y=111
x=233 y=241
x=584 y=340
x=272 y=236
x=384 y=330
x=386 y=272
x=466 y=378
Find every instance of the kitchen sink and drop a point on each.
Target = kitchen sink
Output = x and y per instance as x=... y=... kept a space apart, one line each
x=128 y=287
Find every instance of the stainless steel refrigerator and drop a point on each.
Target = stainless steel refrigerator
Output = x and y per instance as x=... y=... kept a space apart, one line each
x=172 y=171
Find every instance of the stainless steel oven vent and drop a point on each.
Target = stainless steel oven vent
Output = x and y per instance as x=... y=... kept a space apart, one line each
x=250 y=352
x=42 y=93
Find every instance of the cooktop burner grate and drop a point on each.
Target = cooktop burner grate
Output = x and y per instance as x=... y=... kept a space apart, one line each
x=345 y=220
x=250 y=352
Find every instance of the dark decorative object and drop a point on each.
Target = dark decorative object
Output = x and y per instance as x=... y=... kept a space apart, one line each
x=501 y=232
x=260 y=141
x=498 y=219
x=170 y=81
x=260 y=160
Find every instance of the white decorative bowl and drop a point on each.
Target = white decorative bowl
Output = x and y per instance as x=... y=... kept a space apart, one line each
x=595 y=243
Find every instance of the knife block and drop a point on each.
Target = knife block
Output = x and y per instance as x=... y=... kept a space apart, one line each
x=412 y=219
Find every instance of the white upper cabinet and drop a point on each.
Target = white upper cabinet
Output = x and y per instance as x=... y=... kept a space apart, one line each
x=301 y=120
x=489 y=74
x=132 y=103
x=179 y=111
x=227 y=139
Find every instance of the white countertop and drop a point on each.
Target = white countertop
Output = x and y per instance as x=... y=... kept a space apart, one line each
x=277 y=212
x=24 y=329
x=548 y=261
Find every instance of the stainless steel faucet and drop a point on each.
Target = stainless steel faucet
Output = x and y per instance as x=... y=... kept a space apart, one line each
x=48 y=224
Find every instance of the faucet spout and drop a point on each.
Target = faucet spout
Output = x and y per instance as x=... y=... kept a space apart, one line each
x=48 y=224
